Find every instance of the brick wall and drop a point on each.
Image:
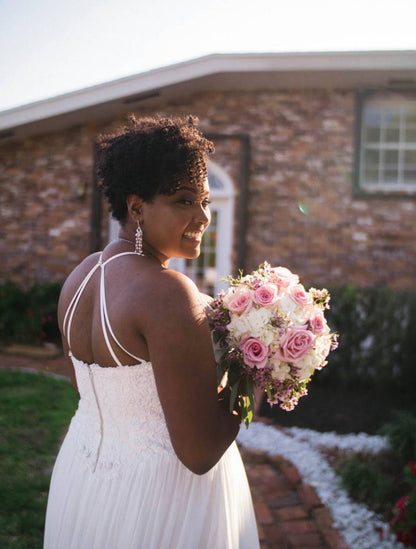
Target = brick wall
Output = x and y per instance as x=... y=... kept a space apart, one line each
x=301 y=208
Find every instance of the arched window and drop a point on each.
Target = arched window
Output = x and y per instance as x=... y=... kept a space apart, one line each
x=214 y=261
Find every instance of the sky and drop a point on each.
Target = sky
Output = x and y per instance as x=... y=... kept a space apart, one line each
x=51 y=47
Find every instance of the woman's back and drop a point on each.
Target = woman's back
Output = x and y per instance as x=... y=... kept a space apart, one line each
x=113 y=301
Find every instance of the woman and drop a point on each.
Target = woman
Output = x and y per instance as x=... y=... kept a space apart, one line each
x=149 y=459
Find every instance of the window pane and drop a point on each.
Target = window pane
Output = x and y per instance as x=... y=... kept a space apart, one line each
x=215 y=182
x=391 y=118
x=410 y=157
x=410 y=135
x=371 y=176
x=410 y=118
x=372 y=117
x=390 y=176
x=372 y=157
x=391 y=135
x=391 y=157
x=409 y=176
x=372 y=135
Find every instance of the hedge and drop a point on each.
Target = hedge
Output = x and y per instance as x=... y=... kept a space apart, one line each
x=29 y=316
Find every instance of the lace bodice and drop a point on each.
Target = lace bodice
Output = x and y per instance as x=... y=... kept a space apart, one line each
x=119 y=417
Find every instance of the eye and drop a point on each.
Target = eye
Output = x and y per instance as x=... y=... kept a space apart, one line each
x=186 y=201
x=206 y=203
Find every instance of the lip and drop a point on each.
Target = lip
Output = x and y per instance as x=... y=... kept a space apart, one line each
x=195 y=236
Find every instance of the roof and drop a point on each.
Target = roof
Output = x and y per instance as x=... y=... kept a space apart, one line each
x=245 y=71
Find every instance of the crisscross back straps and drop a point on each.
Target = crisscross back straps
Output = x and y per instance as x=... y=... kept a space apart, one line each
x=105 y=322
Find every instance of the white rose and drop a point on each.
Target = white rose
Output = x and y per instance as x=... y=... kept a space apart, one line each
x=308 y=365
x=267 y=334
x=257 y=319
x=280 y=370
x=238 y=327
x=304 y=373
x=287 y=305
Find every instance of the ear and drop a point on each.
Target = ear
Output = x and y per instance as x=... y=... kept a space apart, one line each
x=134 y=206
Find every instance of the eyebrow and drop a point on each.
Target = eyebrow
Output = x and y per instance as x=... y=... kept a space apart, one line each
x=191 y=189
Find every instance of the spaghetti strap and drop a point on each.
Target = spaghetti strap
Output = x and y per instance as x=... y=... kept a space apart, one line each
x=105 y=322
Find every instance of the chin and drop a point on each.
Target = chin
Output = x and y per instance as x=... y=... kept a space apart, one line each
x=192 y=254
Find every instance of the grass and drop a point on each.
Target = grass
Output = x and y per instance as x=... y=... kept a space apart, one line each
x=34 y=412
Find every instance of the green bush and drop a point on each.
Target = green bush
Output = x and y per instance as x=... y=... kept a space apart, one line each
x=377 y=337
x=29 y=316
x=401 y=433
x=375 y=480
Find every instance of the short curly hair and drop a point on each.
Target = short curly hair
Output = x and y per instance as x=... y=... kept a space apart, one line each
x=150 y=156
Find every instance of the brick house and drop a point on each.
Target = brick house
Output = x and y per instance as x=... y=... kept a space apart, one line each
x=315 y=167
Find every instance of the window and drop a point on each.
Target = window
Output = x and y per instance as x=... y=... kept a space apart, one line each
x=387 y=152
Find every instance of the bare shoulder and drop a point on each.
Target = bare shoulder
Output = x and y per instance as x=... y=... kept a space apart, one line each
x=170 y=292
x=75 y=278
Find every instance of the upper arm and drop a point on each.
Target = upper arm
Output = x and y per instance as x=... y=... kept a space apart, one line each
x=181 y=352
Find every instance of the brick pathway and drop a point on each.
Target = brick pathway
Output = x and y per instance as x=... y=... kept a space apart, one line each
x=289 y=513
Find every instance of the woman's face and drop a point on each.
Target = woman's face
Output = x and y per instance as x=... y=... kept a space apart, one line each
x=173 y=225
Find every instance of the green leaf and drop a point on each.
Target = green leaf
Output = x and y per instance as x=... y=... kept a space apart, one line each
x=216 y=336
x=233 y=396
x=221 y=369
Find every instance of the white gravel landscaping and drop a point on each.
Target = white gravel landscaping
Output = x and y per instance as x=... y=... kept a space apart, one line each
x=359 y=526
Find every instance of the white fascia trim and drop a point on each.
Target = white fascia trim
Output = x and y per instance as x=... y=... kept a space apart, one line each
x=204 y=66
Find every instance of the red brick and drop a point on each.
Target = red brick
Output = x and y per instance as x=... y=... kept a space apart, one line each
x=334 y=539
x=298 y=526
x=291 y=513
x=310 y=541
x=291 y=474
x=308 y=496
x=322 y=517
x=285 y=500
x=275 y=538
x=263 y=513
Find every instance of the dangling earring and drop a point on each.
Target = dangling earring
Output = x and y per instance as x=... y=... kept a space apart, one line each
x=138 y=244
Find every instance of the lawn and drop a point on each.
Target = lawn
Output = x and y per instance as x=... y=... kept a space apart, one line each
x=34 y=412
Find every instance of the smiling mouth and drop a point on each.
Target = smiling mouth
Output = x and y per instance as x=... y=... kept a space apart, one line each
x=195 y=236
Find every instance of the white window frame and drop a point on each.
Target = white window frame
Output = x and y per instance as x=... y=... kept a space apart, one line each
x=402 y=105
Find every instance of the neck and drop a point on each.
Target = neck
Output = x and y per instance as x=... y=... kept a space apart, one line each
x=145 y=253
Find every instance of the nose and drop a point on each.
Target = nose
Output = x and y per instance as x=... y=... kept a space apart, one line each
x=203 y=215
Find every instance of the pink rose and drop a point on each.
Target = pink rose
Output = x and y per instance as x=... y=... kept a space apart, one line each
x=284 y=277
x=295 y=345
x=266 y=295
x=318 y=325
x=255 y=352
x=299 y=295
x=240 y=302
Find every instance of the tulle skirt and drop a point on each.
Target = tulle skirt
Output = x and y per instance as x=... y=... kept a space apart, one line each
x=157 y=503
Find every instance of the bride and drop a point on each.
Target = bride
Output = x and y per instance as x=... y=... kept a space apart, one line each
x=149 y=460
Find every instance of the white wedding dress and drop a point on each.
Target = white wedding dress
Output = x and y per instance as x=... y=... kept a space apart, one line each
x=117 y=482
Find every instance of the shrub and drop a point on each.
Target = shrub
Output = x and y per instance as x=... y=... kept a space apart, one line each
x=372 y=479
x=377 y=342
x=401 y=433
x=403 y=522
x=29 y=316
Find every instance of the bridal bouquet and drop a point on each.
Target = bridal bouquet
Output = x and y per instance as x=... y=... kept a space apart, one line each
x=269 y=332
